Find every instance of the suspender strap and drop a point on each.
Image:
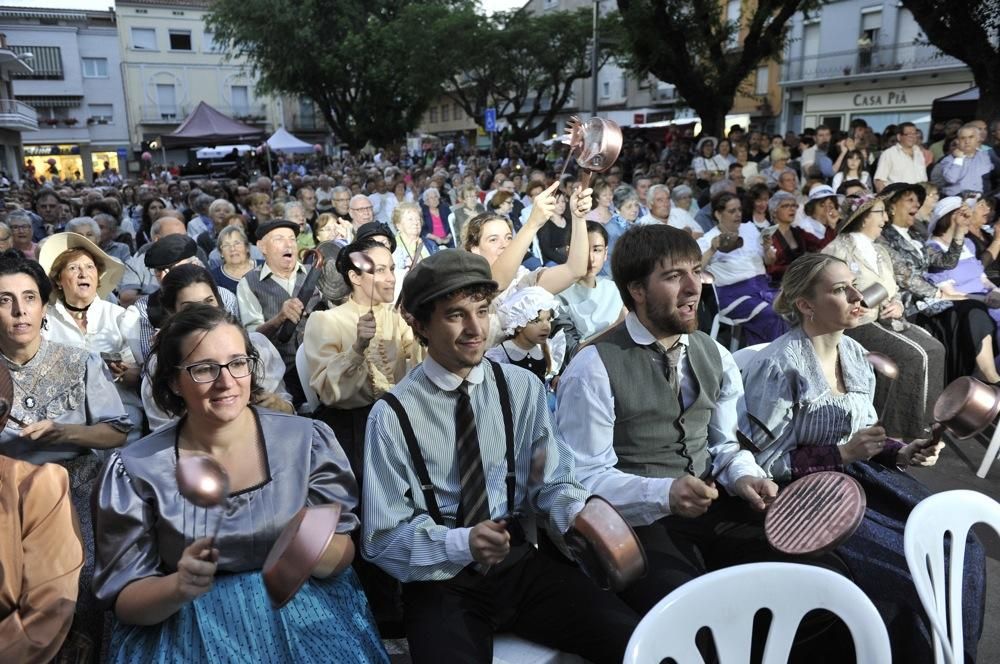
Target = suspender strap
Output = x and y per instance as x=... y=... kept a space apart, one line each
x=417 y=456
x=508 y=425
x=426 y=486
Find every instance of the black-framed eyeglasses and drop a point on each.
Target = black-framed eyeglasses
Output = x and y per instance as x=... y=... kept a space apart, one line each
x=208 y=372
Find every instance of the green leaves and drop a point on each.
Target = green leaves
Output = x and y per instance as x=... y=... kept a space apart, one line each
x=371 y=66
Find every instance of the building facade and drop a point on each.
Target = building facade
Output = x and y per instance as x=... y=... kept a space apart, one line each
x=75 y=86
x=170 y=63
x=863 y=59
x=15 y=116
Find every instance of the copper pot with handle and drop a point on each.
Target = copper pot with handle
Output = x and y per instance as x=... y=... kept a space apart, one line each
x=597 y=142
x=605 y=546
x=965 y=408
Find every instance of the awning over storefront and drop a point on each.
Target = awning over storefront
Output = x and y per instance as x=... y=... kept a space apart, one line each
x=961 y=105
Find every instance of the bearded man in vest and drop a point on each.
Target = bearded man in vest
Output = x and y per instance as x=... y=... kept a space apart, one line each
x=267 y=295
x=651 y=410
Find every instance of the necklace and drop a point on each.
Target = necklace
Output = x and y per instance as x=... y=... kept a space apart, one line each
x=78 y=313
x=29 y=401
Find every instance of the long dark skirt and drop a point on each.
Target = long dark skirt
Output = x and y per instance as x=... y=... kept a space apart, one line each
x=908 y=405
x=86 y=636
x=383 y=591
x=875 y=556
x=961 y=329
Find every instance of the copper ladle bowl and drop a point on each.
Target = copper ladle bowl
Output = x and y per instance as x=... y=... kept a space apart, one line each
x=729 y=242
x=883 y=365
x=298 y=551
x=202 y=480
x=967 y=406
x=605 y=546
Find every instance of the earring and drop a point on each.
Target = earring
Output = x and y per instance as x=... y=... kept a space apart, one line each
x=45 y=322
x=812 y=316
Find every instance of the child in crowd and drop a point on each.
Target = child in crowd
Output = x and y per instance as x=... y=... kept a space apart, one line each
x=526 y=318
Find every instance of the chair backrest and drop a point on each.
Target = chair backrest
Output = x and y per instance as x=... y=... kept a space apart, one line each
x=953 y=512
x=727 y=601
x=744 y=355
x=302 y=368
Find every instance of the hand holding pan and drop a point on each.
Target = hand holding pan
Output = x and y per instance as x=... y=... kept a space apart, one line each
x=298 y=551
x=605 y=546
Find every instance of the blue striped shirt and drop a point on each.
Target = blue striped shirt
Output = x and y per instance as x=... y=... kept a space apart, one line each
x=398 y=534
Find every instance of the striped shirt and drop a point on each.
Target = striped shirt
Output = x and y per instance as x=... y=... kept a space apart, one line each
x=399 y=535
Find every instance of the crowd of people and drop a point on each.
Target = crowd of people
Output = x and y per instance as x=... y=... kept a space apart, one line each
x=485 y=348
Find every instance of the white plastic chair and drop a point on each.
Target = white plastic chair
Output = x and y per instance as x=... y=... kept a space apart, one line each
x=511 y=649
x=743 y=356
x=726 y=602
x=991 y=454
x=953 y=512
x=302 y=369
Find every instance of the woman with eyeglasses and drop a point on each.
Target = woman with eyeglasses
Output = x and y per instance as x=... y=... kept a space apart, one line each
x=179 y=589
x=185 y=286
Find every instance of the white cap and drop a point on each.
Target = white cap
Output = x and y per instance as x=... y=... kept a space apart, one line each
x=943 y=207
x=523 y=306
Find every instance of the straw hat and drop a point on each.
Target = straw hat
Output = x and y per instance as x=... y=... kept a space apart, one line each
x=854 y=210
x=56 y=244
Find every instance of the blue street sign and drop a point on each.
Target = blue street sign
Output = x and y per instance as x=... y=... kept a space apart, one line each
x=491 y=120
x=122 y=153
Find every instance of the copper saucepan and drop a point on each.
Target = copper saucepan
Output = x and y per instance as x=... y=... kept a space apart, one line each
x=729 y=242
x=966 y=407
x=605 y=546
x=598 y=141
x=874 y=295
x=815 y=514
x=298 y=551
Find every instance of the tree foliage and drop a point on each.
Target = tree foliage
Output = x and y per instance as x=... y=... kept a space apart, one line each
x=708 y=58
x=525 y=65
x=371 y=66
x=970 y=31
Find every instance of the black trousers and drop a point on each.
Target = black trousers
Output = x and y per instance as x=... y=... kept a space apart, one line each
x=540 y=599
x=679 y=549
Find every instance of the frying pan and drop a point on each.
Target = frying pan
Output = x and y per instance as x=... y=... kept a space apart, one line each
x=298 y=551
x=605 y=546
x=965 y=408
x=815 y=514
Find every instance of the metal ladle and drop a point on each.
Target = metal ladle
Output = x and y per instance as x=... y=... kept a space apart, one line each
x=885 y=367
x=366 y=265
x=204 y=483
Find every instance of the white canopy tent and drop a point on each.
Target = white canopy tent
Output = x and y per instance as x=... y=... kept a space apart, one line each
x=221 y=151
x=282 y=141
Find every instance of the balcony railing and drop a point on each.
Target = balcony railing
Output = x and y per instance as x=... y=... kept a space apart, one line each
x=249 y=113
x=877 y=59
x=17 y=115
x=157 y=114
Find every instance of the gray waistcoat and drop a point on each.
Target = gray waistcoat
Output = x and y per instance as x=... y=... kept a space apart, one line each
x=652 y=438
x=271 y=296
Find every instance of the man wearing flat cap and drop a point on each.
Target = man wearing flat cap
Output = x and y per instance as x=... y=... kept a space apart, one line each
x=267 y=294
x=447 y=458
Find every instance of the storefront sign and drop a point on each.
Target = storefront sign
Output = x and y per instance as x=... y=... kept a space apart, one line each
x=879 y=99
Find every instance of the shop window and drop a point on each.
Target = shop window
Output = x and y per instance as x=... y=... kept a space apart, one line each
x=144 y=39
x=180 y=40
x=95 y=67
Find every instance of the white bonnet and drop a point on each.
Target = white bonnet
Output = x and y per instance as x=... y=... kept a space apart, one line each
x=522 y=307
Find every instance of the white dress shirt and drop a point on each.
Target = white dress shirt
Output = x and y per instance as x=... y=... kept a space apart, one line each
x=585 y=416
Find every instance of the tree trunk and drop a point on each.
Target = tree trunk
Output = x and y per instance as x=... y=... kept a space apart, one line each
x=712 y=112
x=988 y=108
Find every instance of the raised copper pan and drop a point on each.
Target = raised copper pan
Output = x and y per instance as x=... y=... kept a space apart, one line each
x=966 y=407
x=298 y=551
x=605 y=546
x=598 y=143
